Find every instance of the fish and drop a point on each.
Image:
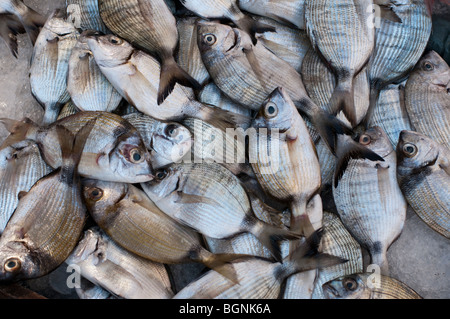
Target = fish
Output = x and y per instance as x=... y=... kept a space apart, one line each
x=68 y=109
x=167 y=142
x=127 y=215
x=135 y=75
x=114 y=151
x=85 y=15
x=49 y=66
x=30 y=19
x=88 y=290
x=235 y=66
x=289 y=44
x=210 y=199
x=424 y=175
x=337 y=241
x=427 y=98
x=44 y=230
x=125 y=275
x=288 y=12
x=227 y=9
x=258 y=278
x=390 y=112
x=285 y=160
x=339 y=32
x=361 y=286
x=22 y=166
x=369 y=200
x=88 y=88
x=10 y=28
x=188 y=55
x=150 y=25
x=399 y=45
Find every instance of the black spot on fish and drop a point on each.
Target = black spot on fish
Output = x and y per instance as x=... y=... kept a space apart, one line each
x=377 y=248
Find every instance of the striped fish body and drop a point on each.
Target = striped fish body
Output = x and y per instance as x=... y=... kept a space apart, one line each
x=399 y=46
x=424 y=179
x=358 y=287
x=337 y=241
x=390 y=112
x=327 y=162
x=23 y=168
x=88 y=87
x=288 y=12
x=86 y=15
x=427 y=99
x=369 y=200
x=68 y=109
x=49 y=67
x=123 y=274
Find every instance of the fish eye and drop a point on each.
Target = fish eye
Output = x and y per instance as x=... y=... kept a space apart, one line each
x=271 y=110
x=95 y=194
x=350 y=284
x=365 y=139
x=171 y=130
x=12 y=265
x=209 y=39
x=115 y=40
x=409 y=150
x=136 y=156
x=160 y=175
x=428 y=66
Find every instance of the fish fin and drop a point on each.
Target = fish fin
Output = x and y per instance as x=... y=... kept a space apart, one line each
x=18 y=130
x=328 y=127
x=10 y=27
x=343 y=99
x=252 y=26
x=172 y=73
x=72 y=148
x=387 y=11
x=32 y=21
x=270 y=236
x=21 y=194
x=183 y=198
x=254 y=64
x=373 y=100
x=351 y=150
x=221 y=119
x=222 y=263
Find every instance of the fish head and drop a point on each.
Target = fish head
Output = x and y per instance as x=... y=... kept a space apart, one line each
x=376 y=139
x=415 y=151
x=17 y=262
x=101 y=197
x=348 y=287
x=91 y=246
x=170 y=143
x=109 y=50
x=433 y=69
x=59 y=24
x=167 y=181
x=129 y=159
x=216 y=39
x=277 y=112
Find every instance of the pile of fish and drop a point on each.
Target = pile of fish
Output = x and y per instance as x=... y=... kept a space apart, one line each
x=211 y=132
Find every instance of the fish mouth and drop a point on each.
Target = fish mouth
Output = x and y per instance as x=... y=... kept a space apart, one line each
x=329 y=290
x=237 y=38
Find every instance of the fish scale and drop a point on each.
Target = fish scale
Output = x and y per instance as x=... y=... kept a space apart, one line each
x=86 y=13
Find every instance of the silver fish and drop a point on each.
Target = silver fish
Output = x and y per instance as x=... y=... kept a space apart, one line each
x=369 y=200
x=49 y=67
x=85 y=15
x=126 y=275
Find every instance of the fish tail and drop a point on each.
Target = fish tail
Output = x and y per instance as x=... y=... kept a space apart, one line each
x=378 y=256
x=72 y=148
x=31 y=21
x=300 y=222
x=251 y=27
x=172 y=73
x=307 y=257
x=373 y=100
x=270 y=236
x=9 y=29
x=343 y=99
x=349 y=149
x=222 y=263
x=19 y=131
x=221 y=119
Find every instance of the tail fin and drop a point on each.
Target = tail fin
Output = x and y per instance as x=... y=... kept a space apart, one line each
x=374 y=96
x=270 y=236
x=222 y=263
x=19 y=131
x=172 y=73
x=10 y=27
x=343 y=99
x=251 y=26
x=349 y=149
x=72 y=148
x=32 y=21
